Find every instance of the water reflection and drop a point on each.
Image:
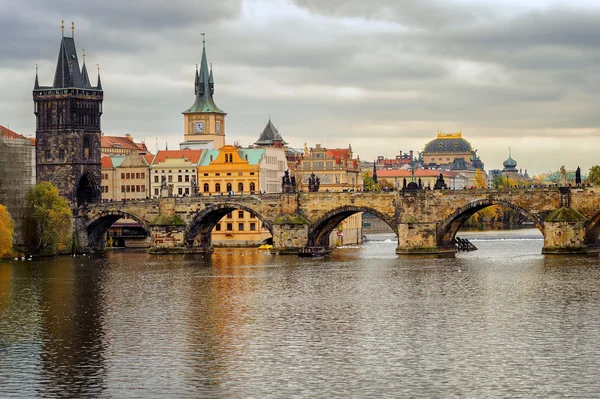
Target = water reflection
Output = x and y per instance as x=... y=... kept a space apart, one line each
x=503 y=321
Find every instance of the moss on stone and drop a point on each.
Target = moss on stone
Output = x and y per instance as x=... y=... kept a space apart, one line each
x=291 y=219
x=565 y=215
x=164 y=220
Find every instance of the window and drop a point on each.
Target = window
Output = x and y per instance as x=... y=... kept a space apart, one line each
x=128 y=187
x=229 y=215
x=206 y=174
x=251 y=173
x=156 y=191
x=240 y=214
x=241 y=187
x=217 y=174
x=143 y=175
x=127 y=176
x=180 y=191
x=206 y=187
x=179 y=178
x=252 y=187
x=228 y=174
x=187 y=191
x=252 y=226
x=218 y=187
x=138 y=189
x=187 y=178
x=229 y=188
x=170 y=178
x=241 y=226
x=122 y=189
x=218 y=227
x=61 y=154
x=86 y=147
x=143 y=188
x=155 y=179
x=229 y=226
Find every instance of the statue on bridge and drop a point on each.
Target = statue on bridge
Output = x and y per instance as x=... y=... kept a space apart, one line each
x=563 y=176
x=440 y=184
x=578 y=176
x=194 y=186
x=288 y=186
x=313 y=183
x=164 y=189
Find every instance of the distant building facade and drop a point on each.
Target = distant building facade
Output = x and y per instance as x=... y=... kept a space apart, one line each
x=174 y=171
x=121 y=145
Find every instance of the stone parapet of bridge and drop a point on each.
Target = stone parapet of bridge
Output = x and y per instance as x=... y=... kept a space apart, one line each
x=425 y=221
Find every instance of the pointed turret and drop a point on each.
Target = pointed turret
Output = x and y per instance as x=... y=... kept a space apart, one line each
x=211 y=82
x=196 y=82
x=67 y=67
x=84 y=75
x=204 y=95
x=36 y=85
x=99 y=85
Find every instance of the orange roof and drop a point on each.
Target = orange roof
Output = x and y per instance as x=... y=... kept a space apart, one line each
x=6 y=133
x=338 y=154
x=107 y=162
x=418 y=173
x=149 y=158
x=192 y=156
x=120 y=142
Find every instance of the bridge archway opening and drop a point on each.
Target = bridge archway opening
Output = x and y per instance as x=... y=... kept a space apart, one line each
x=320 y=232
x=592 y=236
x=88 y=189
x=449 y=227
x=231 y=225
x=130 y=232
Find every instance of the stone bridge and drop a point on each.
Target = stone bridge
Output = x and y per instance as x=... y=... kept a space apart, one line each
x=424 y=221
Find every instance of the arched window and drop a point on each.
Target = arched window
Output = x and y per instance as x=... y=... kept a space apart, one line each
x=252 y=187
x=241 y=187
x=229 y=188
x=218 y=187
x=206 y=188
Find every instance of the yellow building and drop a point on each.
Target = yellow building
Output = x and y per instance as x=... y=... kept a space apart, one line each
x=204 y=122
x=337 y=170
x=240 y=171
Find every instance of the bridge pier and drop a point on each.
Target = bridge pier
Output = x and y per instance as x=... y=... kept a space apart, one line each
x=419 y=238
x=80 y=235
x=290 y=234
x=565 y=232
x=167 y=239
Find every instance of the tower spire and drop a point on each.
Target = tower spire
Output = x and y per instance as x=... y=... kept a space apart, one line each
x=84 y=73
x=196 y=82
x=99 y=85
x=36 y=85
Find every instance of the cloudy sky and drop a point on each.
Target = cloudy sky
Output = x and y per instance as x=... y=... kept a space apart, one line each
x=382 y=75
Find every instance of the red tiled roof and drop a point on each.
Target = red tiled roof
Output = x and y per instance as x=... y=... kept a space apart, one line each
x=338 y=154
x=192 y=156
x=120 y=142
x=149 y=158
x=6 y=133
x=106 y=162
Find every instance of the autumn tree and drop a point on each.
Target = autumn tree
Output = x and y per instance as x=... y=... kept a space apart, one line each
x=480 y=180
x=6 y=231
x=385 y=184
x=50 y=218
x=594 y=175
x=368 y=182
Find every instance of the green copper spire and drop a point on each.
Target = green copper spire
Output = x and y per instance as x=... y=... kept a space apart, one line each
x=204 y=96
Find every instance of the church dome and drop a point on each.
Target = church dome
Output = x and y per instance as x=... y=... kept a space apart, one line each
x=509 y=163
x=448 y=143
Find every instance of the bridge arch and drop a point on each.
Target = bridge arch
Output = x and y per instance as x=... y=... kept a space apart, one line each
x=204 y=221
x=447 y=228
x=87 y=189
x=98 y=226
x=319 y=231
x=592 y=229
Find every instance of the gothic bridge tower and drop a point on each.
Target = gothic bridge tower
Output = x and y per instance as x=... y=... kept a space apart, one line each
x=68 y=128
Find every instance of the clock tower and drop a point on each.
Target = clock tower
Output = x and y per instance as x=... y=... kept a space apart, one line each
x=204 y=122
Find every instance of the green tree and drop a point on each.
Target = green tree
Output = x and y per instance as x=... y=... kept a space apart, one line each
x=594 y=175
x=6 y=231
x=368 y=183
x=50 y=218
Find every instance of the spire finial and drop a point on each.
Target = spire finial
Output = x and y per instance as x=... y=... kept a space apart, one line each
x=62 y=27
x=72 y=29
x=83 y=51
x=36 y=69
x=203 y=39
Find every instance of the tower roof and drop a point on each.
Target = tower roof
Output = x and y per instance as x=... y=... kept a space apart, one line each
x=270 y=135
x=448 y=143
x=509 y=164
x=204 y=100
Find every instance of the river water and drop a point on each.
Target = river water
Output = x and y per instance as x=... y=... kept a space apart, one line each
x=503 y=321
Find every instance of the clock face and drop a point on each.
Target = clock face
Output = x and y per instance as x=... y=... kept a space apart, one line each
x=198 y=127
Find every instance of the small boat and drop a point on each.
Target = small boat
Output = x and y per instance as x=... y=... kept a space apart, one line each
x=265 y=246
